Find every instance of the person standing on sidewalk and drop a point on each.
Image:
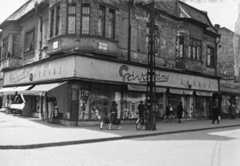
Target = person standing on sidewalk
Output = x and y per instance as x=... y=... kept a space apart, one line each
x=103 y=114
x=141 y=110
x=233 y=110
x=215 y=113
x=113 y=115
x=179 y=112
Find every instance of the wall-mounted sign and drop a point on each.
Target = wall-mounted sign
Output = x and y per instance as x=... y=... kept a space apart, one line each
x=113 y=71
x=102 y=46
x=55 y=45
x=229 y=86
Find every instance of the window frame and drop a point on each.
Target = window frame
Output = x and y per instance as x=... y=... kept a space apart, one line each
x=194 y=49
x=31 y=44
x=102 y=21
x=52 y=13
x=57 y=24
x=5 y=47
x=85 y=15
x=112 y=22
x=181 y=46
x=210 y=56
x=71 y=15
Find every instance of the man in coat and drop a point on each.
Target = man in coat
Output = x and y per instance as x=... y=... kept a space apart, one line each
x=179 y=112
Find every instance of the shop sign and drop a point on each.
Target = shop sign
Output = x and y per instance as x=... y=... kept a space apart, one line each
x=102 y=46
x=112 y=71
x=19 y=75
x=50 y=70
x=127 y=75
x=226 y=86
x=55 y=45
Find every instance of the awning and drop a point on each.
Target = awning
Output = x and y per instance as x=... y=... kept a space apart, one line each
x=9 y=89
x=143 y=88
x=41 y=88
x=200 y=93
x=188 y=92
x=176 y=91
x=21 y=88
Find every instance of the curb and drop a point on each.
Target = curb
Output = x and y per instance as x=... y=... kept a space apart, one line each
x=45 y=145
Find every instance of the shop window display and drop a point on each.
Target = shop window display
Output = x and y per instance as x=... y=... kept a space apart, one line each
x=83 y=104
x=99 y=97
x=130 y=104
x=225 y=104
x=199 y=107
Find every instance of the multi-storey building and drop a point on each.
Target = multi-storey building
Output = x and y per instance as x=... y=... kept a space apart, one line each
x=86 y=52
x=228 y=68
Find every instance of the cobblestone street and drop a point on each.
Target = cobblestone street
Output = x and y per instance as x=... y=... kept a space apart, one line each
x=204 y=148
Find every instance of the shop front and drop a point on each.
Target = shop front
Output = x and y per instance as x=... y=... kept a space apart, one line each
x=230 y=93
x=80 y=83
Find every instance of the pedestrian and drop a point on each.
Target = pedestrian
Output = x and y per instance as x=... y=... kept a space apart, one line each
x=141 y=109
x=50 y=110
x=215 y=113
x=179 y=112
x=113 y=115
x=104 y=115
x=168 y=113
x=233 y=109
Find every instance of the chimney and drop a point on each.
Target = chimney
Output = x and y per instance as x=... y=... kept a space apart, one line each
x=217 y=26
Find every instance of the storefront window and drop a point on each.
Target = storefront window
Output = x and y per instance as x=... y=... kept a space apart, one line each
x=130 y=103
x=225 y=104
x=84 y=104
x=200 y=107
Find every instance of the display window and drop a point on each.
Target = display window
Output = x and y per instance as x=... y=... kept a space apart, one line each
x=130 y=103
x=200 y=107
x=225 y=104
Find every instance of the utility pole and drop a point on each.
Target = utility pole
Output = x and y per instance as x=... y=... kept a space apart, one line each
x=151 y=81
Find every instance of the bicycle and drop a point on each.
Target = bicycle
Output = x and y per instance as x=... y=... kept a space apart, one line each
x=140 y=122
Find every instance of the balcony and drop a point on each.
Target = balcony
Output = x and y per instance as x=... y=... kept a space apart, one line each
x=10 y=62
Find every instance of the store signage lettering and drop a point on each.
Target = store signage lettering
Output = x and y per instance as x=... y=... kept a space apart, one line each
x=18 y=75
x=230 y=86
x=128 y=75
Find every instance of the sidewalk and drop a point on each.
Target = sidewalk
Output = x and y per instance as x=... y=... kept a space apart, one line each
x=28 y=133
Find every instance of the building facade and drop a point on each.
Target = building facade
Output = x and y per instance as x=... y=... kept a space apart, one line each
x=83 y=53
x=228 y=69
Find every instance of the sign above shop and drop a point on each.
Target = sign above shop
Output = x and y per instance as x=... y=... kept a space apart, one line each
x=55 y=45
x=113 y=71
x=229 y=86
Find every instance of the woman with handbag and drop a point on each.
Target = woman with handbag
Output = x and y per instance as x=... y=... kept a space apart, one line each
x=104 y=115
x=113 y=115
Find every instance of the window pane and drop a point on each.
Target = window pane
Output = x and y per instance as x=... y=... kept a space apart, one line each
x=100 y=27
x=194 y=53
x=85 y=25
x=72 y=9
x=71 y=24
x=198 y=53
x=189 y=51
x=208 y=60
x=181 y=50
x=110 y=30
x=85 y=10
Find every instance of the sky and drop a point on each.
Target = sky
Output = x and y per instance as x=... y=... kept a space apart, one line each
x=223 y=12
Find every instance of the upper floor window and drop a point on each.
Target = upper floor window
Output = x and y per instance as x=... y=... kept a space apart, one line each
x=181 y=46
x=29 y=41
x=51 y=23
x=195 y=49
x=210 y=56
x=85 y=19
x=101 y=21
x=156 y=39
x=111 y=29
x=71 y=18
x=5 y=48
x=57 y=20
x=0 y=52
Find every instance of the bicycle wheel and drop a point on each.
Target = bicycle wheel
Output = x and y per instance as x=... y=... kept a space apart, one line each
x=139 y=124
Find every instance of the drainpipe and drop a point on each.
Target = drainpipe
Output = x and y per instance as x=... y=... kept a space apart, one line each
x=41 y=28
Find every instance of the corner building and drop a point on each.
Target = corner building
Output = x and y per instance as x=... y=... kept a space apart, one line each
x=83 y=53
